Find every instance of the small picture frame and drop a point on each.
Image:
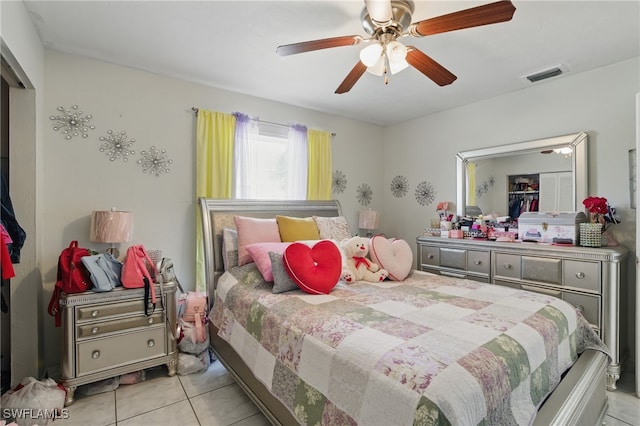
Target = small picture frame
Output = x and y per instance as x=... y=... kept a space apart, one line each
x=633 y=183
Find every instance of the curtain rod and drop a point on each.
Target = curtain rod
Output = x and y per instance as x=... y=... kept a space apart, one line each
x=196 y=109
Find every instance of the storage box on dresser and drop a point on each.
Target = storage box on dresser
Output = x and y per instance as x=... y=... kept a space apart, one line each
x=592 y=279
x=108 y=334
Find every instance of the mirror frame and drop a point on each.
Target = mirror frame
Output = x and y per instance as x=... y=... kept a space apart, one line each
x=577 y=141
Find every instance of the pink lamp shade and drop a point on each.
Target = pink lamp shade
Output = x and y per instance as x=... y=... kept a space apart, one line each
x=368 y=219
x=111 y=226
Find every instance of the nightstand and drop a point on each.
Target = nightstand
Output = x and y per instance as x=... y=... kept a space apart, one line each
x=108 y=334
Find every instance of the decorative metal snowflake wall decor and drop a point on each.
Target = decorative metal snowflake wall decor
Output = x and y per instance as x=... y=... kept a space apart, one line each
x=338 y=182
x=364 y=194
x=425 y=193
x=399 y=186
x=117 y=146
x=72 y=123
x=155 y=162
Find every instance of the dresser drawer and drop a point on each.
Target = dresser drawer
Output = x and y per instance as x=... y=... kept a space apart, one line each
x=507 y=265
x=542 y=269
x=430 y=256
x=588 y=305
x=109 y=352
x=453 y=258
x=478 y=261
x=106 y=310
x=98 y=328
x=582 y=275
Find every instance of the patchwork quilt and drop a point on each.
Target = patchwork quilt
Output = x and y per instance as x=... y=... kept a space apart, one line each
x=428 y=350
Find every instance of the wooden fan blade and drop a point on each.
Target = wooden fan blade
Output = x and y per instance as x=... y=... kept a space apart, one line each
x=379 y=10
x=427 y=66
x=352 y=78
x=325 y=43
x=491 y=13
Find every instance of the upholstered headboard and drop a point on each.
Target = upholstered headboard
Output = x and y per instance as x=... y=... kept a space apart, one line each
x=216 y=214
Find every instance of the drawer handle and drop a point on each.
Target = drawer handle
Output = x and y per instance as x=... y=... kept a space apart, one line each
x=94 y=330
x=150 y=320
x=151 y=343
x=579 y=308
x=94 y=313
x=507 y=266
x=477 y=262
x=95 y=354
x=429 y=256
x=580 y=275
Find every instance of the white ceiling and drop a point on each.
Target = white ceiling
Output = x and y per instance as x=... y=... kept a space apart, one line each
x=231 y=45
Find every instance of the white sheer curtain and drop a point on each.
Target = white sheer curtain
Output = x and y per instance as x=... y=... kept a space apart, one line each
x=298 y=162
x=245 y=157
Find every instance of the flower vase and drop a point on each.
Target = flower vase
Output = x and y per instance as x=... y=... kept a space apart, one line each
x=591 y=234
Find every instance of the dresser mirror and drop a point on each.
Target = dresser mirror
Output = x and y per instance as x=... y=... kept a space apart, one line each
x=551 y=171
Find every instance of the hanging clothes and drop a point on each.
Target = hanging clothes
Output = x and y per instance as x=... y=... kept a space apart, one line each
x=5 y=257
x=9 y=221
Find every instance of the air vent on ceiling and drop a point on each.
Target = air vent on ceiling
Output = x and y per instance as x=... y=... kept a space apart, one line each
x=548 y=73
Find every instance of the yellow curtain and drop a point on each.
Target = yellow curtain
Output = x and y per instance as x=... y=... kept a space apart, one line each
x=214 y=169
x=471 y=184
x=319 y=168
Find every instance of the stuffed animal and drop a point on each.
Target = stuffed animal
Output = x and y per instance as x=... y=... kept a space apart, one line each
x=356 y=266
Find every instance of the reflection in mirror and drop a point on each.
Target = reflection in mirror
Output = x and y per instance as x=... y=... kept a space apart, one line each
x=541 y=175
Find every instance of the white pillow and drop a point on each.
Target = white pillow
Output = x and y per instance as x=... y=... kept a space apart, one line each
x=394 y=255
x=332 y=228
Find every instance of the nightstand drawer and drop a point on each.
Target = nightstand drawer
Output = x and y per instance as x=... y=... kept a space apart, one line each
x=99 y=328
x=106 y=310
x=582 y=275
x=109 y=352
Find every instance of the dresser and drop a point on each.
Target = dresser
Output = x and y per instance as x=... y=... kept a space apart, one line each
x=594 y=280
x=108 y=334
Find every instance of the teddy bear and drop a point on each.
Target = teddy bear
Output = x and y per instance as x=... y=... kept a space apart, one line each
x=356 y=266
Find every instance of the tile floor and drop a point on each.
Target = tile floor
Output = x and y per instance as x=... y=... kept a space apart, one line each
x=212 y=398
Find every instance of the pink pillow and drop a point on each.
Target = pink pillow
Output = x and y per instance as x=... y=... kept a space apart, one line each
x=254 y=230
x=394 y=255
x=316 y=270
x=260 y=254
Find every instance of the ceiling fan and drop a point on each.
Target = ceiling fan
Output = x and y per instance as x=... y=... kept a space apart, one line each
x=388 y=20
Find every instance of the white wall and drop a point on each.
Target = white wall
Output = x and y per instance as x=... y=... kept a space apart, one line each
x=599 y=102
x=22 y=48
x=156 y=110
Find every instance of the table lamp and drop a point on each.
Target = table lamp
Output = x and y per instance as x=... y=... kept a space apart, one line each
x=369 y=221
x=112 y=227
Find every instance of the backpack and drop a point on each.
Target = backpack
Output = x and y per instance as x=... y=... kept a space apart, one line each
x=73 y=277
x=138 y=271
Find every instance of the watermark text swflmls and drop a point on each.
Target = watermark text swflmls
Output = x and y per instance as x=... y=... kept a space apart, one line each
x=35 y=413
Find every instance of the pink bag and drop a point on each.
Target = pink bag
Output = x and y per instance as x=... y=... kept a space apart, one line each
x=194 y=310
x=139 y=271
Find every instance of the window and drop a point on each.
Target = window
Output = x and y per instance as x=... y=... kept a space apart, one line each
x=270 y=162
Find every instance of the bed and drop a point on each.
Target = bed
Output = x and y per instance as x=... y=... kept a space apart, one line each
x=427 y=350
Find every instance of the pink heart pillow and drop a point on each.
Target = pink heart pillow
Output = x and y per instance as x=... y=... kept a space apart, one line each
x=316 y=269
x=394 y=255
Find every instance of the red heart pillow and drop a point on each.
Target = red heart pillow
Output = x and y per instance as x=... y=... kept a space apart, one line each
x=316 y=270
x=393 y=255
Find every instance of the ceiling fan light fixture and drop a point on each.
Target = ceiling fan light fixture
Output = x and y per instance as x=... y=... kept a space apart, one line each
x=371 y=54
x=378 y=67
x=396 y=51
x=397 y=66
